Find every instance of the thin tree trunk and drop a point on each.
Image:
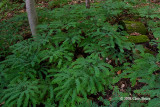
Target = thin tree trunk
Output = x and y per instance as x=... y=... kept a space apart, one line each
x=32 y=15
x=87 y=4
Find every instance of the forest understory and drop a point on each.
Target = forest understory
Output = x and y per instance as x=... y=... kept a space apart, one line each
x=104 y=55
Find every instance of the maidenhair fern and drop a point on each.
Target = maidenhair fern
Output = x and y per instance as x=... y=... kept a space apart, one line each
x=82 y=77
x=46 y=69
x=21 y=93
x=143 y=71
x=143 y=68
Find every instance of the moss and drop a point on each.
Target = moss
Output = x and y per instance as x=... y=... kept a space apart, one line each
x=133 y=26
x=138 y=39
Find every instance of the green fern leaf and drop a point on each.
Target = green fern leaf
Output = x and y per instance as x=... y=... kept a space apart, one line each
x=74 y=96
x=20 y=99
x=78 y=86
x=26 y=100
x=67 y=95
x=12 y=98
x=61 y=92
x=97 y=72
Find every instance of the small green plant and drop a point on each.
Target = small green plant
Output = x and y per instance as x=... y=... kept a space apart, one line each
x=84 y=76
x=58 y=3
x=21 y=91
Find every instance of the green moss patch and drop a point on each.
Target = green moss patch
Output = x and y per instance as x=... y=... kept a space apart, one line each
x=132 y=26
x=138 y=39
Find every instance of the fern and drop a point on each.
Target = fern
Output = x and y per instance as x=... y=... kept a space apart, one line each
x=143 y=68
x=88 y=104
x=149 y=11
x=82 y=77
x=46 y=69
x=21 y=93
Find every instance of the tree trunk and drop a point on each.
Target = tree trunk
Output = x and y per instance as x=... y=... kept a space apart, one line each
x=32 y=15
x=87 y=4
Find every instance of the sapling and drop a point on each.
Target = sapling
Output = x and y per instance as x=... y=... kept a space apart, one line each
x=87 y=4
x=32 y=15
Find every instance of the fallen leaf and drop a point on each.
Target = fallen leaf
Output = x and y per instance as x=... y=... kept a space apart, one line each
x=119 y=72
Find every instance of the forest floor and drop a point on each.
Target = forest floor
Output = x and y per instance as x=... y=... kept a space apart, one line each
x=123 y=83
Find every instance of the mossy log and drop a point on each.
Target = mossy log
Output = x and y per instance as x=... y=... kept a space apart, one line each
x=131 y=27
x=138 y=39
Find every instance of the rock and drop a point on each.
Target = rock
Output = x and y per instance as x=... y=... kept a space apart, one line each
x=138 y=39
x=132 y=26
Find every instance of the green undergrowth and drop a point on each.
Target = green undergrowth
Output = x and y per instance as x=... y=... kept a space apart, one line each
x=11 y=32
x=75 y=55
x=58 y=3
x=9 y=9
